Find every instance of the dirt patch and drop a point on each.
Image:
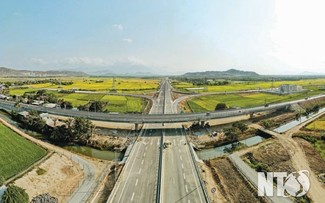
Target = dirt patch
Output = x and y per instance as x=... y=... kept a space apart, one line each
x=230 y=183
x=60 y=178
x=316 y=163
x=104 y=142
x=273 y=155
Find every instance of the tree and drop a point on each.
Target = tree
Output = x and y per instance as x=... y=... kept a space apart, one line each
x=66 y=105
x=240 y=125
x=15 y=194
x=80 y=130
x=232 y=133
x=52 y=98
x=221 y=106
x=96 y=106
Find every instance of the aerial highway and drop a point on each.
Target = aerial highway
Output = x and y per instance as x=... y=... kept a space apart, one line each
x=154 y=117
x=154 y=174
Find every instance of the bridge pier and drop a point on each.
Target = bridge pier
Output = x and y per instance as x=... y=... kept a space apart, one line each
x=202 y=123
x=136 y=127
x=251 y=115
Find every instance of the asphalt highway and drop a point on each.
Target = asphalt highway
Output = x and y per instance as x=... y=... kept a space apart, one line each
x=139 y=178
x=180 y=182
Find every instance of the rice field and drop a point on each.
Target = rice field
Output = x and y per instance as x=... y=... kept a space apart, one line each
x=129 y=85
x=16 y=153
x=318 y=124
x=208 y=103
x=113 y=103
x=249 y=85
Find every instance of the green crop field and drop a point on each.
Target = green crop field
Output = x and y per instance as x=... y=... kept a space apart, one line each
x=208 y=103
x=248 y=85
x=16 y=153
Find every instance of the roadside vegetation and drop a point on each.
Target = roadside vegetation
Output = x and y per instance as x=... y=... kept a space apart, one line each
x=17 y=153
x=77 y=130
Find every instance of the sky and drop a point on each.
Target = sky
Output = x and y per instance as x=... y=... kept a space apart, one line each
x=166 y=37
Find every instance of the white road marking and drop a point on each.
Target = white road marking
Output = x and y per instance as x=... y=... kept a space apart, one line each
x=151 y=142
x=144 y=154
x=184 y=176
x=181 y=157
x=136 y=182
x=182 y=166
x=188 y=201
x=140 y=171
x=132 y=197
x=186 y=188
x=142 y=161
x=146 y=148
x=179 y=150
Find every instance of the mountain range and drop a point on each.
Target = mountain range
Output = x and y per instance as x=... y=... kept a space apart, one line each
x=219 y=74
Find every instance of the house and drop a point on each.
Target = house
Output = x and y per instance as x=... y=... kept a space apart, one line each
x=50 y=105
x=23 y=114
x=2 y=87
x=4 y=97
x=287 y=88
x=52 y=123
x=38 y=103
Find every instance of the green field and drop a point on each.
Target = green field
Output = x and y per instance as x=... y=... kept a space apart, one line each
x=16 y=153
x=248 y=85
x=208 y=103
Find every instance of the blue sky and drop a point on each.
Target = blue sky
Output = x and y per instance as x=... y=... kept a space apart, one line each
x=269 y=36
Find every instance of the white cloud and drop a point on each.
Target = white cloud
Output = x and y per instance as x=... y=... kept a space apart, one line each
x=128 y=40
x=89 y=61
x=38 y=61
x=118 y=26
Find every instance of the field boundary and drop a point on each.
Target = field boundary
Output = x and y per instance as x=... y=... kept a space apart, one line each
x=30 y=168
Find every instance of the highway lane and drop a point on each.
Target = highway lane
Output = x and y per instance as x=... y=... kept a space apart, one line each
x=180 y=182
x=138 y=180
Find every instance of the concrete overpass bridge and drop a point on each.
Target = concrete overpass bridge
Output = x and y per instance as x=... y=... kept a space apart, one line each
x=150 y=118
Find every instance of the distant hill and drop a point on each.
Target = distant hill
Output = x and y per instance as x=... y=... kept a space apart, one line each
x=221 y=74
x=27 y=73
